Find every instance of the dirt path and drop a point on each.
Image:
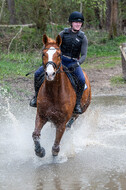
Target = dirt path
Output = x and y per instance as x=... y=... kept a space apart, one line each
x=101 y=81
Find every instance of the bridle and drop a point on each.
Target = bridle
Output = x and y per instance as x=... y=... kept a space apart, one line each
x=57 y=67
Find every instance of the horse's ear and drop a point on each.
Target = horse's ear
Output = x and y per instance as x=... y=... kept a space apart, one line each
x=45 y=39
x=58 y=40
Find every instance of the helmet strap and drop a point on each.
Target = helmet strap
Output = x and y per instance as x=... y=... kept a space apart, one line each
x=74 y=30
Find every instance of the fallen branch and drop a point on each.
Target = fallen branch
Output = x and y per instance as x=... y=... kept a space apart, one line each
x=19 y=32
x=14 y=38
x=18 y=25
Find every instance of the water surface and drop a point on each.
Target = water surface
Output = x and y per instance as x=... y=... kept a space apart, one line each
x=92 y=156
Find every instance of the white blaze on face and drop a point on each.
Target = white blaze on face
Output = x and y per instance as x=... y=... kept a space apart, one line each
x=50 y=70
x=50 y=53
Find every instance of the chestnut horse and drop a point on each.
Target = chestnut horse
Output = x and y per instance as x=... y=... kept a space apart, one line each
x=56 y=98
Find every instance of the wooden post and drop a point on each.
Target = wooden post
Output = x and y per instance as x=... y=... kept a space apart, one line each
x=123 y=55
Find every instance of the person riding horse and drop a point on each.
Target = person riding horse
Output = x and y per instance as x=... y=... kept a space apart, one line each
x=74 y=43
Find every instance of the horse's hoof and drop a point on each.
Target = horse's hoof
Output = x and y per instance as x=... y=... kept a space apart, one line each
x=55 y=150
x=54 y=153
x=40 y=152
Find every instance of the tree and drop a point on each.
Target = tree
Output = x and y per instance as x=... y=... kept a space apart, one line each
x=113 y=29
x=122 y=15
x=108 y=14
x=1 y=11
x=11 y=7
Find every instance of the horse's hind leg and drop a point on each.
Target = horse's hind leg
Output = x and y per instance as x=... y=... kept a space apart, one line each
x=59 y=134
x=39 y=123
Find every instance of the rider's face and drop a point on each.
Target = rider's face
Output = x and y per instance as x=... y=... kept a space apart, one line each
x=76 y=25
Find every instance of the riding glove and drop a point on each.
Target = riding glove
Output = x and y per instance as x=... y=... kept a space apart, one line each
x=74 y=66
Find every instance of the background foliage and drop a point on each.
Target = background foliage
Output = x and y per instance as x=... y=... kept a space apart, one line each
x=51 y=16
x=20 y=46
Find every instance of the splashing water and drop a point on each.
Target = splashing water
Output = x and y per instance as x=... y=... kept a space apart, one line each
x=93 y=149
x=17 y=128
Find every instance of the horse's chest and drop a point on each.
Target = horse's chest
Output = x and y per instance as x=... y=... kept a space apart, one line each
x=52 y=112
x=56 y=107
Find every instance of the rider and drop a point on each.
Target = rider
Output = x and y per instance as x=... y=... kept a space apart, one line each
x=74 y=43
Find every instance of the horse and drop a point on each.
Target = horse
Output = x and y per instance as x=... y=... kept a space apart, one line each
x=56 y=97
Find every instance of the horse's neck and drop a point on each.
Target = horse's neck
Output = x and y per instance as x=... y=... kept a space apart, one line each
x=56 y=86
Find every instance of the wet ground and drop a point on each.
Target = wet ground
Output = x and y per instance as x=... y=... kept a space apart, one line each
x=92 y=156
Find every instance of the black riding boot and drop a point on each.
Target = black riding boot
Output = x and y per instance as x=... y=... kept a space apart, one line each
x=33 y=101
x=37 y=83
x=77 y=108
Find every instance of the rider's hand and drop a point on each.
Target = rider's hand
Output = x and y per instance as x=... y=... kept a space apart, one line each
x=74 y=66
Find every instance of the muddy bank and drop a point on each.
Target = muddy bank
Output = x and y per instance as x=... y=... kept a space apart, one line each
x=100 y=80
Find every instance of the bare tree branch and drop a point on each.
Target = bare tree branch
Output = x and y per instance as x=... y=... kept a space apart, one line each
x=14 y=38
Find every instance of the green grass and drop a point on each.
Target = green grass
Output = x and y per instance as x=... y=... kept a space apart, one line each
x=25 y=53
x=101 y=46
x=117 y=80
x=102 y=62
x=14 y=65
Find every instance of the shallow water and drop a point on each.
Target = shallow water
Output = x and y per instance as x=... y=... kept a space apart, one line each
x=92 y=156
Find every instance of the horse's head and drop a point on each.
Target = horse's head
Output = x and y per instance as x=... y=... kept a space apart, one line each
x=51 y=56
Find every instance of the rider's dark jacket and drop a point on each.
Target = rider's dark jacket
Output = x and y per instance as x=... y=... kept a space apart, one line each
x=71 y=44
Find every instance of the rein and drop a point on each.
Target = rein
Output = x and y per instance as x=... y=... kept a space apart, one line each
x=54 y=65
x=58 y=70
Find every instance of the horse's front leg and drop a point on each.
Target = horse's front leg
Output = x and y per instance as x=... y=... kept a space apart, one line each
x=59 y=133
x=39 y=123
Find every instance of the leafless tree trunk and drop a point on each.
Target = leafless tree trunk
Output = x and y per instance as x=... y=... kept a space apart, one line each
x=97 y=15
x=41 y=10
x=81 y=6
x=1 y=12
x=11 y=7
x=113 y=30
x=108 y=14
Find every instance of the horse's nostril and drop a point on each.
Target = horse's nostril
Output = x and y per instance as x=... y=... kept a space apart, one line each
x=46 y=74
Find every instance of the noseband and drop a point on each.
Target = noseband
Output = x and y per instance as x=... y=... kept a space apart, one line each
x=52 y=63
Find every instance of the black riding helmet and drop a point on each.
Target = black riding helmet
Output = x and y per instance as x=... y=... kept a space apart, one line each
x=76 y=17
